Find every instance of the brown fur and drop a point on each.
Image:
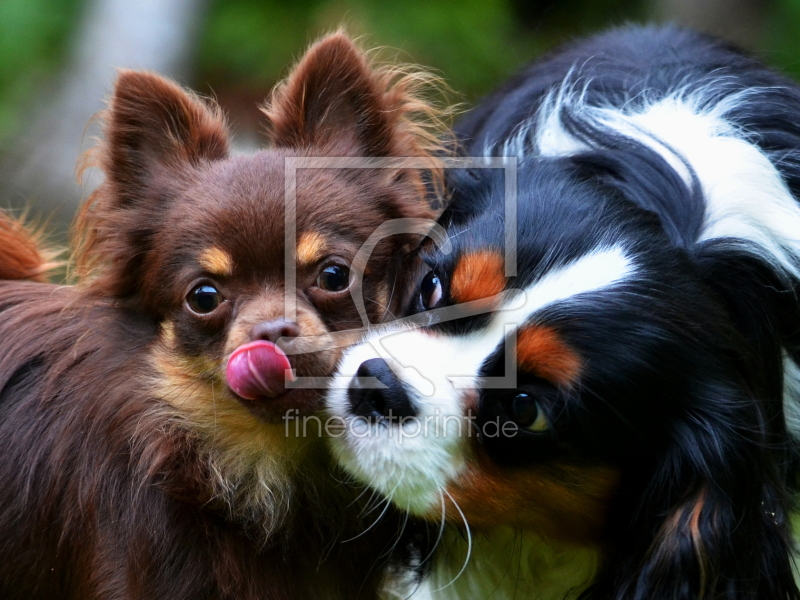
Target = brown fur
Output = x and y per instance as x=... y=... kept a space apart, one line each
x=541 y=350
x=683 y=527
x=564 y=502
x=129 y=468
x=22 y=255
x=310 y=248
x=322 y=101
x=478 y=275
x=216 y=261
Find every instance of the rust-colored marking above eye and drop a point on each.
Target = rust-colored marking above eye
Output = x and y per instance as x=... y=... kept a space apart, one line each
x=541 y=350
x=216 y=261
x=477 y=275
x=310 y=247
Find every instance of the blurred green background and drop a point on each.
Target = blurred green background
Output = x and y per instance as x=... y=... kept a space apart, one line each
x=236 y=50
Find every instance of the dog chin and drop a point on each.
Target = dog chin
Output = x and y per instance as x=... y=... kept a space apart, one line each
x=411 y=469
x=406 y=486
x=291 y=404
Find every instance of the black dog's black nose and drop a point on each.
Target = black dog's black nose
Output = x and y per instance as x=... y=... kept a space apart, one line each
x=375 y=404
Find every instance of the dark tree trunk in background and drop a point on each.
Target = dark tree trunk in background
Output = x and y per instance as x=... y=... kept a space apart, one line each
x=739 y=21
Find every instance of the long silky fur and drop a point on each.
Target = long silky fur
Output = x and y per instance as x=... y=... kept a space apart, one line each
x=112 y=487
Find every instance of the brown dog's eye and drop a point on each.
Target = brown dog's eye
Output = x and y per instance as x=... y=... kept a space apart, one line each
x=204 y=299
x=334 y=278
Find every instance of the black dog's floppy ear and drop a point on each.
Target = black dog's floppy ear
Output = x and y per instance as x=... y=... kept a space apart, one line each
x=712 y=523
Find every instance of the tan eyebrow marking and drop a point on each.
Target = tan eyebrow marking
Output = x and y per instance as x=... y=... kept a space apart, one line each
x=216 y=261
x=310 y=247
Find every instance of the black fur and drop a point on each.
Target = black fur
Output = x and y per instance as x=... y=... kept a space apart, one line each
x=682 y=387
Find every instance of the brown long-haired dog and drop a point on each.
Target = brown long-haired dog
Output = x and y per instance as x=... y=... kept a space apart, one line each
x=142 y=452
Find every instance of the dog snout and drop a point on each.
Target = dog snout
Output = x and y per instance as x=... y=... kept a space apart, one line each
x=375 y=404
x=273 y=330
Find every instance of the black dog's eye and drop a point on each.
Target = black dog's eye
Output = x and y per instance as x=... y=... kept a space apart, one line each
x=334 y=278
x=430 y=291
x=525 y=411
x=204 y=299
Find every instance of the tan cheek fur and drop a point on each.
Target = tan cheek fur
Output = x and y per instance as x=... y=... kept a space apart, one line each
x=251 y=462
x=196 y=388
x=563 y=502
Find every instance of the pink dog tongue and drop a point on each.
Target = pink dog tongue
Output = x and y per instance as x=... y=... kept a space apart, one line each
x=258 y=369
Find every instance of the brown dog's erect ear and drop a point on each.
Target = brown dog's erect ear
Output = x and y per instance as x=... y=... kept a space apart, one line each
x=336 y=99
x=154 y=132
x=152 y=122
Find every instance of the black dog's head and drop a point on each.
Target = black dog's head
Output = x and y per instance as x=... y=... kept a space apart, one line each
x=621 y=385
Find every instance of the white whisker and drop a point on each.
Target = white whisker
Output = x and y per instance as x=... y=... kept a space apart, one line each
x=469 y=542
x=388 y=503
x=441 y=529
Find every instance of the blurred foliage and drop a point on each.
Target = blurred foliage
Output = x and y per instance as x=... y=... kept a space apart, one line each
x=473 y=43
x=246 y=46
x=782 y=37
x=33 y=37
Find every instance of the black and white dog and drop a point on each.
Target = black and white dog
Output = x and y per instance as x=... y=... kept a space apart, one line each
x=620 y=419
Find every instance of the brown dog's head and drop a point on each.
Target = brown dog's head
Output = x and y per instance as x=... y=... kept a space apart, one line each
x=193 y=238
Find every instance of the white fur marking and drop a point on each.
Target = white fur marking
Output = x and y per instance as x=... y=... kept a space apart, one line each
x=746 y=197
x=412 y=469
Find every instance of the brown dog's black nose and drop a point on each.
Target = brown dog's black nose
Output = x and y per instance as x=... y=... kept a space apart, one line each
x=272 y=331
x=391 y=401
